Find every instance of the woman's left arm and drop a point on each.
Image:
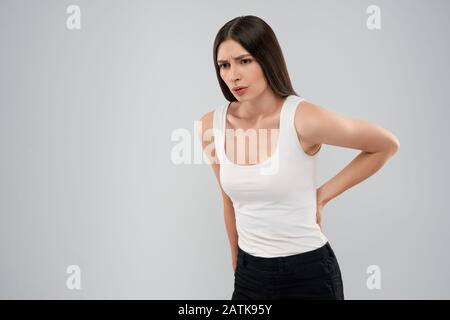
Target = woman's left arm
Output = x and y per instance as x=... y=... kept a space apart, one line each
x=322 y=126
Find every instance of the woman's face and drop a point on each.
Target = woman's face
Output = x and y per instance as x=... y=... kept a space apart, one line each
x=238 y=68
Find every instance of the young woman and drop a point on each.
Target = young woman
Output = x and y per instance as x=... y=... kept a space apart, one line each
x=272 y=208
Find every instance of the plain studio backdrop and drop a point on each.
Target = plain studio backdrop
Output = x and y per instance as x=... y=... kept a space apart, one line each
x=88 y=178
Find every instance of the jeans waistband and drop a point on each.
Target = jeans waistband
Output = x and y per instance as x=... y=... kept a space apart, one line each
x=277 y=263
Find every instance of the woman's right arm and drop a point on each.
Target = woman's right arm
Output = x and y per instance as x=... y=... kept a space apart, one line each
x=228 y=210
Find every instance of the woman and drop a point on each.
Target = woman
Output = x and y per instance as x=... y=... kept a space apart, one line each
x=272 y=208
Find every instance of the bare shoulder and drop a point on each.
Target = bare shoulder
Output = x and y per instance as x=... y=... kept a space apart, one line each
x=207 y=139
x=306 y=113
x=206 y=135
x=305 y=116
x=311 y=118
x=207 y=119
x=206 y=123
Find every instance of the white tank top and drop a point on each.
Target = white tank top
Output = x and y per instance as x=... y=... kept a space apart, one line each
x=274 y=200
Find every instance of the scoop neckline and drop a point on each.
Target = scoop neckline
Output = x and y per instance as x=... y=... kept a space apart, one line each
x=269 y=159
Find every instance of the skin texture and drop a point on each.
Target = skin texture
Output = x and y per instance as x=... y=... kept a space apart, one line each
x=315 y=125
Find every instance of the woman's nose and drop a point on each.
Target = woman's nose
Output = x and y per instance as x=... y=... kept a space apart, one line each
x=234 y=75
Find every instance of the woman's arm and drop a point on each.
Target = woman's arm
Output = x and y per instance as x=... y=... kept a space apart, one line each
x=228 y=209
x=319 y=125
x=230 y=224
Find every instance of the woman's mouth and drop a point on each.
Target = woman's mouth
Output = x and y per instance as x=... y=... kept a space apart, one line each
x=240 y=91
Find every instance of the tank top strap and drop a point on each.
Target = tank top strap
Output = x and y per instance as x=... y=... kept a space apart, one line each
x=219 y=132
x=288 y=120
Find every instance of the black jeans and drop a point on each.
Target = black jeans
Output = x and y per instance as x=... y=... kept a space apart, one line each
x=310 y=275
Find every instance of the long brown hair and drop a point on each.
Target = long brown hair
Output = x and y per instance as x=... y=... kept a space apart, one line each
x=258 y=38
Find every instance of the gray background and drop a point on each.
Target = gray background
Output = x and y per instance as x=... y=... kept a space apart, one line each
x=86 y=118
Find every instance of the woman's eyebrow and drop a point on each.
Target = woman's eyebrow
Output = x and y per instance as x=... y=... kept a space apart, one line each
x=237 y=58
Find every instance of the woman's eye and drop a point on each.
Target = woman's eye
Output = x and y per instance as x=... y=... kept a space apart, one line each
x=223 y=64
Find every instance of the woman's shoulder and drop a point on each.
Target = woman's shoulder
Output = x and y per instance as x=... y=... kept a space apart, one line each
x=305 y=113
x=207 y=118
x=206 y=122
x=305 y=119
